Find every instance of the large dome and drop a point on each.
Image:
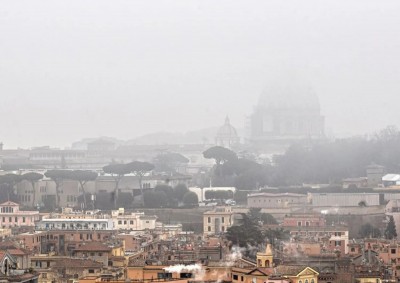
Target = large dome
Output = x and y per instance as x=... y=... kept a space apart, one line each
x=227 y=130
x=289 y=96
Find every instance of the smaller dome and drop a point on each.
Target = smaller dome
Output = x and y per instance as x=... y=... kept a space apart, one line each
x=227 y=130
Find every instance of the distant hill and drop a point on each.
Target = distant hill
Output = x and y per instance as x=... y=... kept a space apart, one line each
x=192 y=137
x=202 y=136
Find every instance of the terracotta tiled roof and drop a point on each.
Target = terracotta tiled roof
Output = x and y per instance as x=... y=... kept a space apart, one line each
x=93 y=246
x=77 y=263
x=137 y=262
x=7 y=245
x=289 y=270
x=16 y=252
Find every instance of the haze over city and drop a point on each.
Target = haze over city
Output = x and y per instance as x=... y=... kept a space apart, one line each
x=70 y=70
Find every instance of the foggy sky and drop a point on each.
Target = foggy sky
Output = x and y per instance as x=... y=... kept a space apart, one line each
x=74 y=69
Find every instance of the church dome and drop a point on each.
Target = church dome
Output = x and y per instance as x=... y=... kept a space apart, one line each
x=227 y=130
x=227 y=135
x=289 y=96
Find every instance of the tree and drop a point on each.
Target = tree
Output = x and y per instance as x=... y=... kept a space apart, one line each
x=117 y=171
x=268 y=219
x=169 y=195
x=9 y=181
x=277 y=234
x=32 y=178
x=179 y=191
x=390 y=231
x=369 y=231
x=362 y=203
x=58 y=177
x=190 y=198
x=219 y=154
x=246 y=233
x=213 y=194
x=169 y=161
x=82 y=177
x=154 y=199
x=139 y=169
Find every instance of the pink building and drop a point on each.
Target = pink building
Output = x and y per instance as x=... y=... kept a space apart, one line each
x=11 y=216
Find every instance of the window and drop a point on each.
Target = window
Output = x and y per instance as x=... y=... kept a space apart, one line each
x=147 y=221
x=235 y=277
x=91 y=254
x=44 y=275
x=124 y=221
x=209 y=228
x=131 y=222
x=392 y=251
x=223 y=220
x=299 y=223
x=312 y=281
x=91 y=271
x=164 y=275
x=23 y=219
x=241 y=278
x=338 y=243
x=100 y=254
x=80 y=236
x=306 y=281
x=10 y=219
x=209 y=219
x=223 y=228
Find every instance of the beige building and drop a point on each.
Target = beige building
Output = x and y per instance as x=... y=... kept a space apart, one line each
x=134 y=221
x=270 y=200
x=218 y=220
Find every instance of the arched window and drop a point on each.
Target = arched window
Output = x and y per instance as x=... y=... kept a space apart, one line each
x=312 y=281
x=300 y=281
x=306 y=281
x=267 y=264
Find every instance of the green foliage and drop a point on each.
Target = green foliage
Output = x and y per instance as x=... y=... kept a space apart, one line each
x=190 y=198
x=390 y=231
x=58 y=176
x=218 y=194
x=170 y=200
x=362 y=203
x=118 y=171
x=246 y=233
x=7 y=185
x=83 y=176
x=369 y=231
x=179 y=191
x=220 y=154
x=155 y=199
x=10 y=179
x=242 y=173
x=32 y=178
x=259 y=217
x=277 y=234
x=139 y=168
x=167 y=162
x=330 y=162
